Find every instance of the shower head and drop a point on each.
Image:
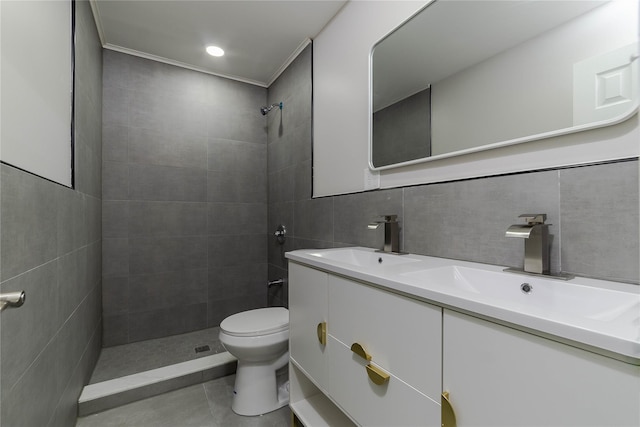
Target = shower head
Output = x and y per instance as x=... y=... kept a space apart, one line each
x=265 y=110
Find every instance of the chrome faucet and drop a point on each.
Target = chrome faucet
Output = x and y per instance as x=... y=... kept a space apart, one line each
x=391 y=233
x=536 y=244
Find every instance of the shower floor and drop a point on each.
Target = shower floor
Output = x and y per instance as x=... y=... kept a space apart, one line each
x=118 y=361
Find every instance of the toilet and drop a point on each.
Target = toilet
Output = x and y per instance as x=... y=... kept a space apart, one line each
x=259 y=339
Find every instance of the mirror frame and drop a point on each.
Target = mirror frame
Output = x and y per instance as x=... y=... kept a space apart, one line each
x=486 y=147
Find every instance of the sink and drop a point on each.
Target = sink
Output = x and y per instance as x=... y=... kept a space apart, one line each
x=363 y=258
x=528 y=293
x=600 y=315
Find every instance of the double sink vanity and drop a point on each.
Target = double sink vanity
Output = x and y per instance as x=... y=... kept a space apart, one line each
x=405 y=340
x=388 y=340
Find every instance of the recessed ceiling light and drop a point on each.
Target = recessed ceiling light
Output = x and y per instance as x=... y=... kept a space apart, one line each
x=215 y=51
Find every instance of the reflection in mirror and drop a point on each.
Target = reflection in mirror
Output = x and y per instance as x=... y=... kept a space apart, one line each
x=37 y=87
x=499 y=73
x=402 y=130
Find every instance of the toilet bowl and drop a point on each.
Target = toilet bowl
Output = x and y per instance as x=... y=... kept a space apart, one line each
x=259 y=339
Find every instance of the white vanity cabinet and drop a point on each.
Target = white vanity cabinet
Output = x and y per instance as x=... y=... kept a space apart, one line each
x=394 y=381
x=422 y=362
x=499 y=376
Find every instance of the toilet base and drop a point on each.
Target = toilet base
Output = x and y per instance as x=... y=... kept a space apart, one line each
x=256 y=391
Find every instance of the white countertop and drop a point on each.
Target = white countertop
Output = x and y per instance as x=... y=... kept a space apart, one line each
x=597 y=315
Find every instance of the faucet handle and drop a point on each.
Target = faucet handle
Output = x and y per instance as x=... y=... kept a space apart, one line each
x=385 y=219
x=534 y=218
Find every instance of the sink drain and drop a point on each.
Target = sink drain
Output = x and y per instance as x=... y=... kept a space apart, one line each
x=526 y=288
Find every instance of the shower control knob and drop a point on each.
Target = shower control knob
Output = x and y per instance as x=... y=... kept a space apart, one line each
x=280 y=233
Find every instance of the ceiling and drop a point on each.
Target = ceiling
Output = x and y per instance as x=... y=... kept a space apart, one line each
x=260 y=37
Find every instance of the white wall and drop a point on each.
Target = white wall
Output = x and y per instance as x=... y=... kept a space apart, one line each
x=341 y=91
x=341 y=116
x=36 y=82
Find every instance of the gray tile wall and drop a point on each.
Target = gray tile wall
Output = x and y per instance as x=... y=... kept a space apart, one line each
x=594 y=210
x=184 y=199
x=289 y=166
x=50 y=247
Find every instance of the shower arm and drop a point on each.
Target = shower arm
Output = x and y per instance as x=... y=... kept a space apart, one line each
x=266 y=110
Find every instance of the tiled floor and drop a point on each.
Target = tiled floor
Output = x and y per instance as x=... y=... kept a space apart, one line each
x=207 y=404
x=118 y=361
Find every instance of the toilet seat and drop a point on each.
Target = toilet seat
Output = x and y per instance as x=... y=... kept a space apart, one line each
x=261 y=321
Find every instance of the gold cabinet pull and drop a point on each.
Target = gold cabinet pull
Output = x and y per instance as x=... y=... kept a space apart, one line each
x=448 y=417
x=360 y=351
x=377 y=375
x=322 y=332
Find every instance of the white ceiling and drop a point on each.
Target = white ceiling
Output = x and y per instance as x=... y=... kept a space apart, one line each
x=260 y=37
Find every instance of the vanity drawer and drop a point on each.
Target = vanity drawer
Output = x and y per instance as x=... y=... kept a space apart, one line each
x=402 y=335
x=393 y=403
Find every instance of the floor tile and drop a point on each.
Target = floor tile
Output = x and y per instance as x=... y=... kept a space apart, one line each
x=207 y=404
x=184 y=407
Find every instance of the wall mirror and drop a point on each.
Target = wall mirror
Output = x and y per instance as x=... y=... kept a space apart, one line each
x=465 y=76
x=37 y=47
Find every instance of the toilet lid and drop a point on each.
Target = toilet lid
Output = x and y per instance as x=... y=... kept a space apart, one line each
x=261 y=321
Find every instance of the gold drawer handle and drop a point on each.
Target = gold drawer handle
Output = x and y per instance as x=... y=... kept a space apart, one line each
x=447 y=415
x=377 y=375
x=360 y=351
x=322 y=333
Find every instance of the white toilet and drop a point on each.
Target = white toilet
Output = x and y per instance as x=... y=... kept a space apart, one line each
x=259 y=339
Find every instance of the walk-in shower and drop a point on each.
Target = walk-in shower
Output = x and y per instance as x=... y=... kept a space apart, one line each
x=265 y=110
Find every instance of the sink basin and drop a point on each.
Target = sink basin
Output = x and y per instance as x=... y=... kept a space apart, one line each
x=599 y=315
x=360 y=258
x=528 y=293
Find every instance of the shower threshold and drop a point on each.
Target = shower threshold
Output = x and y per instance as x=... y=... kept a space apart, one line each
x=138 y=370
x=109 y=394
